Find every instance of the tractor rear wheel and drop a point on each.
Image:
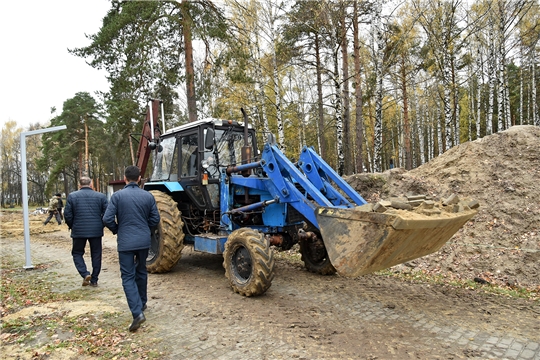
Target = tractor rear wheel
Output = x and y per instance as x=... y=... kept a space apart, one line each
x=167 y=237
x=248 y=262
x=315 y=257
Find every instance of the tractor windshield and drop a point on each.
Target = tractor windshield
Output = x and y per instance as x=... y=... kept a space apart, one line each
x=164 y=159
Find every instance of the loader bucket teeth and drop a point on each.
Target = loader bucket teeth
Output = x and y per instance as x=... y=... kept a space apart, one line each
x=360 y=242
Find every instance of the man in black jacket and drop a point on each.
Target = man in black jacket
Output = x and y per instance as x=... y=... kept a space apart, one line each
x=83 y=214
x=131 y=214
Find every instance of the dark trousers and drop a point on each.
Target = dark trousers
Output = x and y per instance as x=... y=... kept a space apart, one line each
x=56 y=215
x=134 y=278
x=77 y=251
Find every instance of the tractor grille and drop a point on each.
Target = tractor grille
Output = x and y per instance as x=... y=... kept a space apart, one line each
x=293 y=216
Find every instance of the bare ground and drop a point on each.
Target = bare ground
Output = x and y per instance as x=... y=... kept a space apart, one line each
x=194 y=314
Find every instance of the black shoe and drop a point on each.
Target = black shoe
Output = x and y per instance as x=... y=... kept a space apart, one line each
x=137 y=322
x=94 y=284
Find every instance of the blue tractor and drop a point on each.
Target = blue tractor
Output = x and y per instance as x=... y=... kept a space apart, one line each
x=218 y=193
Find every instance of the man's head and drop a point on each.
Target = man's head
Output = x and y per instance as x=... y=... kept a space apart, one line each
x=58 y=195
x=132 y=174
x=85 y=181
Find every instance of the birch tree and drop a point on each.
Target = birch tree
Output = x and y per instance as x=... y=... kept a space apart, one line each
x=378 y=52
x=269 y=13
x=443 y=22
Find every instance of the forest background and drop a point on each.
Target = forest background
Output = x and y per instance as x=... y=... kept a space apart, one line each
x=369 y=84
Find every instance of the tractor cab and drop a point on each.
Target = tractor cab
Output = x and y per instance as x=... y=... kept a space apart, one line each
x=189 y=165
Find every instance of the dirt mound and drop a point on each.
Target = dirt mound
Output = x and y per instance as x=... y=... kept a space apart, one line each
x=502 y=171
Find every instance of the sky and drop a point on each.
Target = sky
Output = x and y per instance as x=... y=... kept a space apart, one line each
x=36 y=70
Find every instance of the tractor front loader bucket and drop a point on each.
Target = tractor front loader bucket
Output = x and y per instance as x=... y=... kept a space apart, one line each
x=360 y=242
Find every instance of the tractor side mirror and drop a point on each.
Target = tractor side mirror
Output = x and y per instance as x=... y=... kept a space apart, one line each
x=209 y=139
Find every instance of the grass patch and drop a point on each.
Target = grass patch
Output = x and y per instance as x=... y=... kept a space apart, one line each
x=21 y=288
x=95 y=335
x=42 y=335
x=440 y=279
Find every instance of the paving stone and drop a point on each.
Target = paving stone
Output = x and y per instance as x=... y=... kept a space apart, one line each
x=527 y=354
x=481 y=337
x=436 y=329
x=517 y=346
x=486 y=347
x=506 y=342
x=511 y=354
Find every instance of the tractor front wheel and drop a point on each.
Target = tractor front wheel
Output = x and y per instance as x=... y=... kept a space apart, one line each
x=167 y=237
x=314 y=255
x=248 y=262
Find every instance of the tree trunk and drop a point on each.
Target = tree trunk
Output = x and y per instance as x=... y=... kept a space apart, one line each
x=503 y=85
x=447 y=143
x=320 y=129
x=521 y=91
x=479 y=84
x=358 y=94
x=500 y=95
x=279 y=117
x=346 y=111
x=190 y=71
x=262 y=95
x=421 y=134
x=66 y=183
x=455 y=102
x=438 y=136
x=406 y=125
x=491 y=80
x=535 y=115
x=338 y=108
x=379 y=56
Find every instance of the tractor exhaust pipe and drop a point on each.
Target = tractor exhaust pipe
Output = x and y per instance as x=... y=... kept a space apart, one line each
x=246 y=149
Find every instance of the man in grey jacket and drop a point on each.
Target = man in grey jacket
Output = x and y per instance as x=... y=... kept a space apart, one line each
x=83 y=215
x=131 y=214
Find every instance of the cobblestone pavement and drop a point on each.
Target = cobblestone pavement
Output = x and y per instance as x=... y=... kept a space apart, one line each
x=193 y=314
x=312 y=317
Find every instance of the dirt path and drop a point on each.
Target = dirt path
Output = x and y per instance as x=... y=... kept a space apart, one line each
x=193 y=314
